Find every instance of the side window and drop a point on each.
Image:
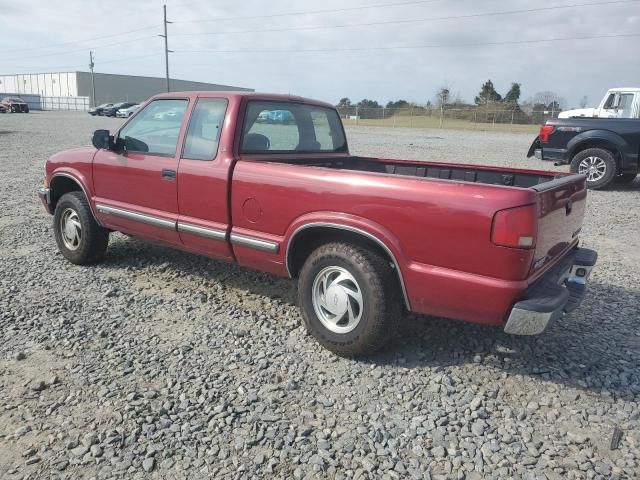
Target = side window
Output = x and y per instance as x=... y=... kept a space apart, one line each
x=288 y=127
x=155 y=129
x=323 y=129
x=275 y=128
x=626 y=102
x=609 y=103
x=204 y=129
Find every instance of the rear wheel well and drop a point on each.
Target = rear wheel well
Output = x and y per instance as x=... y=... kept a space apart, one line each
x=308 y=240
x=61 y=185
x=598 y=143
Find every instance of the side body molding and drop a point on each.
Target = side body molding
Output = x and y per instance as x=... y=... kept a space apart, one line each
x=358 y=231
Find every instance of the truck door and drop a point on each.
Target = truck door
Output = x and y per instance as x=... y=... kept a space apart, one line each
x=618 y=105
x=136 y=185
x=203 y=223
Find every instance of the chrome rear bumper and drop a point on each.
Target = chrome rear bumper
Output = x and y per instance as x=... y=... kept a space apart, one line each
x=559 y=291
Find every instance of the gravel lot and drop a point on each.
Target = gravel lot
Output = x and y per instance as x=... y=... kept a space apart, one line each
x=161 y=364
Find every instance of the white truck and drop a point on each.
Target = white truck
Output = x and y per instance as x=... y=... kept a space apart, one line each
x=617 y=103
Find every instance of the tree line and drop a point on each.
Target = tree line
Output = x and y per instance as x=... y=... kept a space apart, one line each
x=487 y=101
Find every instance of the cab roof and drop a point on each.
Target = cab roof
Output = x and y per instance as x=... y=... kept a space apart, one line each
x=625 y=89
x=239 y=94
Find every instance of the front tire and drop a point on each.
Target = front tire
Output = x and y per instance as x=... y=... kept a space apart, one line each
x=597 y=164
x=79 y=237
x=350 y=299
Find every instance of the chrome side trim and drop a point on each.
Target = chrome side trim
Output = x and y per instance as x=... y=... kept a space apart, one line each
x=354 y=230
x=255 y=243
x=212 y=233
x=139 y=217
x=68 y=175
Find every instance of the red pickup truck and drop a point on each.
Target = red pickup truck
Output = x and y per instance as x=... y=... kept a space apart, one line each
x=218 y=174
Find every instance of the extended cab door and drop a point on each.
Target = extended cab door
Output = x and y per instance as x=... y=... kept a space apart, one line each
x=136 y=185
x=203 y=176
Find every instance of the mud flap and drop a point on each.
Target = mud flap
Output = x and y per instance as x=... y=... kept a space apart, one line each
x=534 y=146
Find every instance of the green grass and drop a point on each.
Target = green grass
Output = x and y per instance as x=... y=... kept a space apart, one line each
x=448 y=123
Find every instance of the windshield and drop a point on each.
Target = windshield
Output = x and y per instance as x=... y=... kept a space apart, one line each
x=287 y=127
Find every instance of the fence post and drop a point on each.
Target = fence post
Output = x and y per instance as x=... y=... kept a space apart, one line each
x=411 y=118
x=513 y=113
x=356 y=115
x=441 y=114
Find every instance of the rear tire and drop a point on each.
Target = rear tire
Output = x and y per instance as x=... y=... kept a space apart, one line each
x=350 y=298
x=597 y=164
x=79 y=237
x=626 y=178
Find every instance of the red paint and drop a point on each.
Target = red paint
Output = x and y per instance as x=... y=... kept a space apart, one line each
x=440 y=231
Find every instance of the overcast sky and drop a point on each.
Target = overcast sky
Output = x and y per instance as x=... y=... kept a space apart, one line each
x=32 y=32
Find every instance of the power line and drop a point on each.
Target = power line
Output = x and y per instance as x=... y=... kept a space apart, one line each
x=69 y=52
x=410 y=47
x=85 y=40
x=114 y=60
x=412 y=20
x=313 y=12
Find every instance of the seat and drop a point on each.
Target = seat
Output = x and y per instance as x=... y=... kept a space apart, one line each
x=308 y=146
x=255 y=142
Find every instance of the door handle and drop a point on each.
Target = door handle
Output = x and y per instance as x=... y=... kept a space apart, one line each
x=168 y=174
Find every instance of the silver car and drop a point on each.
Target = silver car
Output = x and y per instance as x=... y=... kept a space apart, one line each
x=127 y=112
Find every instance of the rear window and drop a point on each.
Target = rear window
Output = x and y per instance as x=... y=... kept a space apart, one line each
x=285 y=127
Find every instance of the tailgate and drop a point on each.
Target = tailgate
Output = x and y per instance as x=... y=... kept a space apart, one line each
x=562 y=204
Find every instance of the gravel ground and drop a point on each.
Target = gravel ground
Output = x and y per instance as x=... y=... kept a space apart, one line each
x=161 y=364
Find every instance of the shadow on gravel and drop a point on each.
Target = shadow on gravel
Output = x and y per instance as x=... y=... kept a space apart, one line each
x=597 y=347
x=622 y=187
x=133 y=253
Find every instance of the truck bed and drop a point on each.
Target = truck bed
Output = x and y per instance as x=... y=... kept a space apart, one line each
x=442 y=171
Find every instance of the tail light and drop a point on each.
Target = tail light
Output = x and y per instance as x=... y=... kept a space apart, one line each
x=545 y=131
x=515 y=227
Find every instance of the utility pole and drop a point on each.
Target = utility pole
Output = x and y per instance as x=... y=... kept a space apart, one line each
x=93 y=83
x=166 y=46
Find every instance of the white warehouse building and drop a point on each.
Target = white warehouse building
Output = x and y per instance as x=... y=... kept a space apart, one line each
x=73 y=90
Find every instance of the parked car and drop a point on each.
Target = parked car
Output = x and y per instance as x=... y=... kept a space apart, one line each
x=3 y=109
x=113 y=109
x=162 y=114
x=606 y=150
x=617 y=103
x=366 y=237
x=128 y=111
x=280 y=116
x=99 y=109
x=15 y=105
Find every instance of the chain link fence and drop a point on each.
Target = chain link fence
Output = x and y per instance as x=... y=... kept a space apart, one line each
x=472 y=118
x=41 y=102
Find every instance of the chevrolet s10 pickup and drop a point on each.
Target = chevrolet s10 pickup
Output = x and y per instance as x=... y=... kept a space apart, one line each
x=215 y=173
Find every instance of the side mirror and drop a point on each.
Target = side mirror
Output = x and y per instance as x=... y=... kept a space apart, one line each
x=102 y=140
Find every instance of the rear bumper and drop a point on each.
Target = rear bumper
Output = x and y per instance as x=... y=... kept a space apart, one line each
x=558 y=155
x=559 y=291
